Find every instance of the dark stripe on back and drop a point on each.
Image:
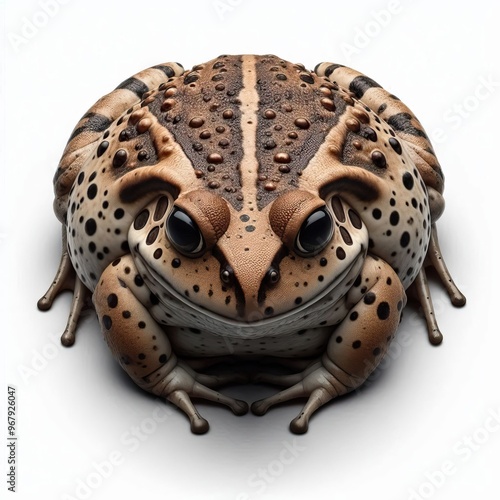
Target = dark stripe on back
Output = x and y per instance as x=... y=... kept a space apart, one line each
x=95 y=123
x=361 y=84
x=166 y=69
x=402 y=123
x=134 y=85
x=135 y=190
x=204 y=117
x=330 y=69
x=297 y=109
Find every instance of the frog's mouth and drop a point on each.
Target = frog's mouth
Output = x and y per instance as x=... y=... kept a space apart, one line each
x=183 y=312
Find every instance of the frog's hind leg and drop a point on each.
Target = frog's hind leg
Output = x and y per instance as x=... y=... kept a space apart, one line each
x=143 y=349
x=408 y=128
x=421 y=292
x=66 y=279
x=356 y=346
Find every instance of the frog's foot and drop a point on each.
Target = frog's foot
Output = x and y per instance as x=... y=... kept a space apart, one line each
x=421 y=292
x=316 y=383
x=66 y=279
x=143 y=349
x=180 y=383
x=356 y=346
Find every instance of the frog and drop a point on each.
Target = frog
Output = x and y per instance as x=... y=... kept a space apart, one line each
x=249 y=221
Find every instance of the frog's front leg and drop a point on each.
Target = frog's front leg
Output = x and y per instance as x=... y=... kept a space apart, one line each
x=142 y=347
x=355 y=348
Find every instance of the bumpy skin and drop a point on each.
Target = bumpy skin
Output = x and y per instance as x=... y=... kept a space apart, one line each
x=248 y=209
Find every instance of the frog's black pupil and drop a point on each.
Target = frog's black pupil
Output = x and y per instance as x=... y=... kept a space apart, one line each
x=315 y=232
x=183 y=232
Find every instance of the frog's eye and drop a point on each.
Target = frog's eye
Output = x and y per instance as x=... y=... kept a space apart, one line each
x=315 y=233
x=184 y=233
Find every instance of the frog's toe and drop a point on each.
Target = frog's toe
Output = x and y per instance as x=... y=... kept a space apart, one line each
x=66 y=280
x=180 y=398
x=318 y=386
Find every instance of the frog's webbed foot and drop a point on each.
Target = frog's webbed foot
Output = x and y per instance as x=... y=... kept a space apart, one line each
x=421 y=292
x=66 y=279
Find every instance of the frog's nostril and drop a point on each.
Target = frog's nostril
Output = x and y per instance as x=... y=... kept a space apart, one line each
x=272 y=275
x=227 y=275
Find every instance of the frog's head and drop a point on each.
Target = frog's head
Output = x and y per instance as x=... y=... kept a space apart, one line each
x=248 y=264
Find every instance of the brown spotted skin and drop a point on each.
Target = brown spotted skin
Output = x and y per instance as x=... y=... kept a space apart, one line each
x=249 y=208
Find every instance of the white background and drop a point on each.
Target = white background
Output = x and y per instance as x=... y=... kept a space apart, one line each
x=424 y=428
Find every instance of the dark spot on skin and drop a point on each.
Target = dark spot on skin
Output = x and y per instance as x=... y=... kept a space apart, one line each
x=92 y=191
x=383 y=310
x=112 y=300
x=161 y=208
x=340 y=252
x=355 y=219
x=394 y=218
x=249 y=228
x=106 y=322
x=405 y=239
x=138 y=280
x=176 y=263
x=90 y=227
x=119 y=213
x=377 y=213
x=354 y=316
x=345 y=235
x=126 y=314
x=376 y=351
x=163 y=358
x=141 y=220
x=323 y=262
x=369 y=298
x=338 y=209
x=338 y=339
x=102 y=148
x=141 y=325
x=395 y=145
x=152 y=235
x=356 y=344
x=158 y=253
x=378 y=159
x=120 y=158
x=408 y=180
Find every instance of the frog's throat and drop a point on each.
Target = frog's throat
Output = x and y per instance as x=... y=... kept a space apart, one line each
x=224 y=326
